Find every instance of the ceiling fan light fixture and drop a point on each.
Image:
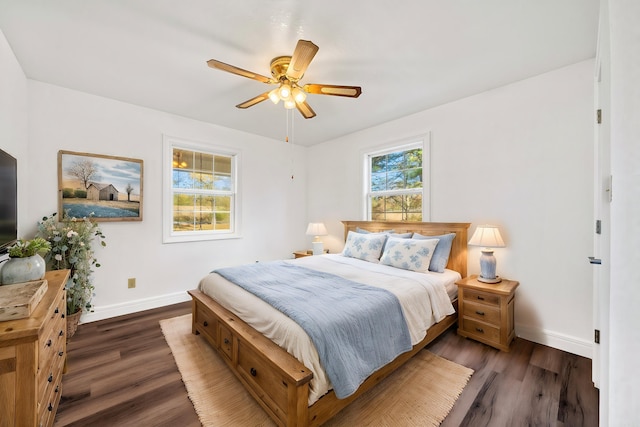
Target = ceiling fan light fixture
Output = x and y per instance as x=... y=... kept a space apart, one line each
x=284 y=91
x=273 y=96
x=286 y=73
x=298 y=94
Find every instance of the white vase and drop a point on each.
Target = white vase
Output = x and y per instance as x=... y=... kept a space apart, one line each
x=18 y=270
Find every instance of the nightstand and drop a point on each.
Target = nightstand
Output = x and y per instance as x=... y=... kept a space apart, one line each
x=300 y=254
x=486 y=311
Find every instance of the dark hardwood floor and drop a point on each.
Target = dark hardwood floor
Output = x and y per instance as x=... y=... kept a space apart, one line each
x=121 y=373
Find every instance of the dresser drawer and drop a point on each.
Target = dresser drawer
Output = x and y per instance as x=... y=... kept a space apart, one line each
x=48 y=403
x=53 y=341
x=484 y=312
x=254 y=370
x=48 y=375
x=479 y=296
x=60 y=307
x=482 y=330
x=56 y=357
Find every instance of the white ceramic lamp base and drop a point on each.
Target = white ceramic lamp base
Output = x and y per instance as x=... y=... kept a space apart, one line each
x=488 y=267
x=318 y=248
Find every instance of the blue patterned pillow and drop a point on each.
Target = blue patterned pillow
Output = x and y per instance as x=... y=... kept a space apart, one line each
x=389 y=233
x=409 y=254
x=441 y=254
x=366 y=247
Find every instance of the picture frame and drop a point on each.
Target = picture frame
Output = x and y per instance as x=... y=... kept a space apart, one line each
x=105 y=188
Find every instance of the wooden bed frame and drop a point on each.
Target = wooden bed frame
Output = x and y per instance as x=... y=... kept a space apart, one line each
x=276 y=379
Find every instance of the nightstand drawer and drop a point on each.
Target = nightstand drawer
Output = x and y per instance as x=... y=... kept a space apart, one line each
x=484 y=312
x=479 y=296
x=481 y=329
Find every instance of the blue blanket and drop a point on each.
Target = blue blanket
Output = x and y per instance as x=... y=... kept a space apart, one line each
x=356 y=328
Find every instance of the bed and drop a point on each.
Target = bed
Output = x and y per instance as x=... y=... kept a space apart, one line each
x=294 y=393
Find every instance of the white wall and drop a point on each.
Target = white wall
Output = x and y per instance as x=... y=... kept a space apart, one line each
x=273 y=205
x=520 y=157
x=13 y=119
x=624 y=343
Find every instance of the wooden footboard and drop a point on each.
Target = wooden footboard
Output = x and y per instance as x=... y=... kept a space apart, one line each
x=276 y=379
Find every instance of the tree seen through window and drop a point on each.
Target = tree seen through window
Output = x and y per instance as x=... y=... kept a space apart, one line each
x=395 y=185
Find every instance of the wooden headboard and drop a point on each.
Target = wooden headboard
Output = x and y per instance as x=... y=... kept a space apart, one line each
x=458 y=257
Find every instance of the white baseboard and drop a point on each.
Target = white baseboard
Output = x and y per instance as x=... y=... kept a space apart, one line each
x=557 y=340
x=114 y=310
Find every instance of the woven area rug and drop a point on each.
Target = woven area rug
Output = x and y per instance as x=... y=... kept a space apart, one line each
x=420 y=393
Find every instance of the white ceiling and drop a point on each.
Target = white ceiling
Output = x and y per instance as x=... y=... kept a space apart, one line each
x=408 y=55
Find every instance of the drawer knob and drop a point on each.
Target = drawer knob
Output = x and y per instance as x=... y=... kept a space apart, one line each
x=480 y=330
x=60 y=353
x=50 y=407
x=50 y=379
x=480 y=313
x=48 y=343
x=56 y=311
x=205 y=323
x=61 y=333
x=253 y=372
x=226 y=341
x=480 y=298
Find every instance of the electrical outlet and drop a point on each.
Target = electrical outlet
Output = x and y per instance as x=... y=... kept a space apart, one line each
x=131 y=283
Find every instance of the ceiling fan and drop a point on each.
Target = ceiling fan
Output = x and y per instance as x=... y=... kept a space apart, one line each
x=286 y=72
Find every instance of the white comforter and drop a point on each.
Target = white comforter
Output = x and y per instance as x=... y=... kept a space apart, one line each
x=422 y=296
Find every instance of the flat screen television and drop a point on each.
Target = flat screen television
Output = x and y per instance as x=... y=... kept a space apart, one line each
x=8 y=201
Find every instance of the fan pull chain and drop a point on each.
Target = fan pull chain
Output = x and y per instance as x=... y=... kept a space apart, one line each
x=292 y=142
x=290 y=131
x=286 y=129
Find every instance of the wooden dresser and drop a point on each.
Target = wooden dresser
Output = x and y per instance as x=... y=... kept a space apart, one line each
x=486 y=311
x=33 y=351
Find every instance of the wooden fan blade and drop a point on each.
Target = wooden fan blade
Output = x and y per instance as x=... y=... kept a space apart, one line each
x=253 y=101
x=302 y=56
x=305 y=109
x=239 y=71
x=335 y=90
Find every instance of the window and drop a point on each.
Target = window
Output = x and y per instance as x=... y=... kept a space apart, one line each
x=201 y=199
x=394 y=183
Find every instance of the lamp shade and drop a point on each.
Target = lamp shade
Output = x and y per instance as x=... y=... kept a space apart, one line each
x=316 y=229
x=487 y=236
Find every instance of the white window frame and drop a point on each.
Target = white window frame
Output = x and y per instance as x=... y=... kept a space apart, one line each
x=424 y=142
x=170 y=236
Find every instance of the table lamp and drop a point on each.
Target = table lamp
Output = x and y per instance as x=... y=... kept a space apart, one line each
x=317 y=229
x=487 y=236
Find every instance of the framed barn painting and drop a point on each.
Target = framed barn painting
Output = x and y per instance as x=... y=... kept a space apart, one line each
x=105 y=188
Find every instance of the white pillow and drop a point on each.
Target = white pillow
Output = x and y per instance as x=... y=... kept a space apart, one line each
x=366 y=247
x=408 y=254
